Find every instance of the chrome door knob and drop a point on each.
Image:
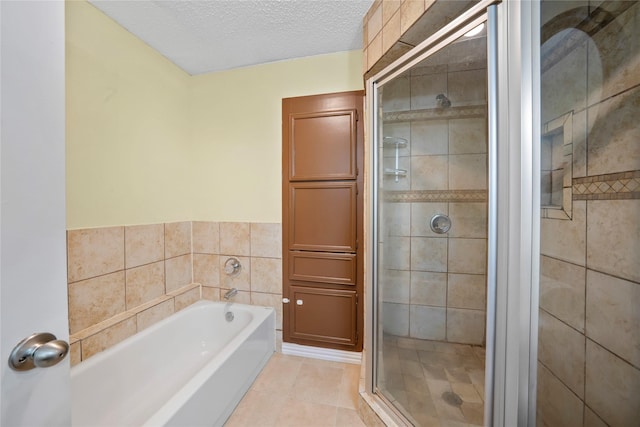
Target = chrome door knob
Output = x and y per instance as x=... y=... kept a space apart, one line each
x=40 y=350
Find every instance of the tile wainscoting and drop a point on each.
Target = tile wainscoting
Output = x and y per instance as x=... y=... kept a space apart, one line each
x=126 y=278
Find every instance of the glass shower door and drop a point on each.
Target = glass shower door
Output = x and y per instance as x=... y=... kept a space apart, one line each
x=431 y=261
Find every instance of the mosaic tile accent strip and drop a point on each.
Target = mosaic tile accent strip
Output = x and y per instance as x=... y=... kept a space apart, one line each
x=613 y=186
x=435 y=196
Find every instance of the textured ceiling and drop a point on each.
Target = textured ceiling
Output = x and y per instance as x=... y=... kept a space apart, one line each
x=216 y=35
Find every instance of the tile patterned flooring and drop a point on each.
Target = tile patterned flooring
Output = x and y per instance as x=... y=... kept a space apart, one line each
x=297 y=391
x=437 y=384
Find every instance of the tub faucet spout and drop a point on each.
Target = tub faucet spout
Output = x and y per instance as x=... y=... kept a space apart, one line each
x=230 y=293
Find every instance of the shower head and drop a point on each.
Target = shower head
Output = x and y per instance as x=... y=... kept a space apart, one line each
x=443 y=101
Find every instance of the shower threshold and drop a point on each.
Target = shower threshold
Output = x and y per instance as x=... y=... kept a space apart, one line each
x=433 y=383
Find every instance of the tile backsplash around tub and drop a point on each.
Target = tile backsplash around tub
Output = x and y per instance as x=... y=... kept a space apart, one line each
x=126 y=278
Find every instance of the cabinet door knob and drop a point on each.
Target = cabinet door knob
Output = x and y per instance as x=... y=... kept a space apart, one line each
x=299 y=302
x=285 y=300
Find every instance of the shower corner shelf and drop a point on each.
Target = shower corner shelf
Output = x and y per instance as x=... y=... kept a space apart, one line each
x=397 y=143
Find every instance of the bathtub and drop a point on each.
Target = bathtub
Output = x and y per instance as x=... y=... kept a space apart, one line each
x=190 y=369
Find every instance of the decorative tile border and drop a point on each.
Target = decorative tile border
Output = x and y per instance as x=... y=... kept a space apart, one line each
x=463 y=112
x=613 y=186
x=435 y=196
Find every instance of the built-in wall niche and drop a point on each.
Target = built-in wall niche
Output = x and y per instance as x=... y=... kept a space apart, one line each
x=556 y=163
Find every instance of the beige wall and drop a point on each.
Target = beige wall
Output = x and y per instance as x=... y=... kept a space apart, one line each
x=127 y=126
x=237 y=131
x=147 y=143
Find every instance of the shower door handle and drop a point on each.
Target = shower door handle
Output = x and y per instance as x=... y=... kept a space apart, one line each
x=39 y=350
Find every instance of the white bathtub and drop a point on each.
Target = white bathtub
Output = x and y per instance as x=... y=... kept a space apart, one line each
x=190 y=369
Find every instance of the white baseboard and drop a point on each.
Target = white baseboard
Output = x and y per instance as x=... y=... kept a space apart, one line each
x=322 y=353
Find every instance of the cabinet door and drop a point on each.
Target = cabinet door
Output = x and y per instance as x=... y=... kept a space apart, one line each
x=323 y=315
x=322 y=216
x=322 y=145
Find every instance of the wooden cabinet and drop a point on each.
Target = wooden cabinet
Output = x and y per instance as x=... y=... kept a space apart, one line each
x=322 y=220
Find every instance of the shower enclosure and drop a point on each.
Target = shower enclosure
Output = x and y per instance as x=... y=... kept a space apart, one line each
x=431 y=205
x=505 y=195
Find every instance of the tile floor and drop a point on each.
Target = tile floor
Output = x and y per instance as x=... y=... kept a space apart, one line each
x=301 y=392
x=436 y=384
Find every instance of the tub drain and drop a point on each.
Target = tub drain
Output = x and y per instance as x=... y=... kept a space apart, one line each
x=451 y=398
x=228 y=316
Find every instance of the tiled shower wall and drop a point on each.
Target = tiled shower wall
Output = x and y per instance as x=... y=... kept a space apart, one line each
x=589 y=333
x=124 y=279
x=435 y=284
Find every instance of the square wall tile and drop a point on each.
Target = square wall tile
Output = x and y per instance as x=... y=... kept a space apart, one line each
x=563 y=239
x=177 y=239
x=144 y=283
x=467 y=291
x=618 y=59
x=467 y=87
x=395 y=319
x=613 y=315
x=614 y=134
x=428 y=288
x=269 y=300
x=468 y=172
x=396 y=220
x=108 y=337
x=93 y=300
x=394 y=286
x=561 y=349
x=266 y=275
x=468 y=220
x=429 y=172
x=429 y=137
x=427 y=323
x=429 y=254
x=187 y=298
x=612 y=387
x=396 y=95
x=211 y=294
x=613 y=237
x=564 y=85
x=468 y=136
x=562 y=291
x=94 y=252
x=396 y=252
x=468 y=256
x=206 y=270
x=266 y=240
x=143 y=244
x=465 y=326
x=240 y=280
x=235 y=238
x=155 y=314
x=425 y=89
x=177 y=272
x=391 y=32
x=557 y=405
x=206 y=237
x=410 y=12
